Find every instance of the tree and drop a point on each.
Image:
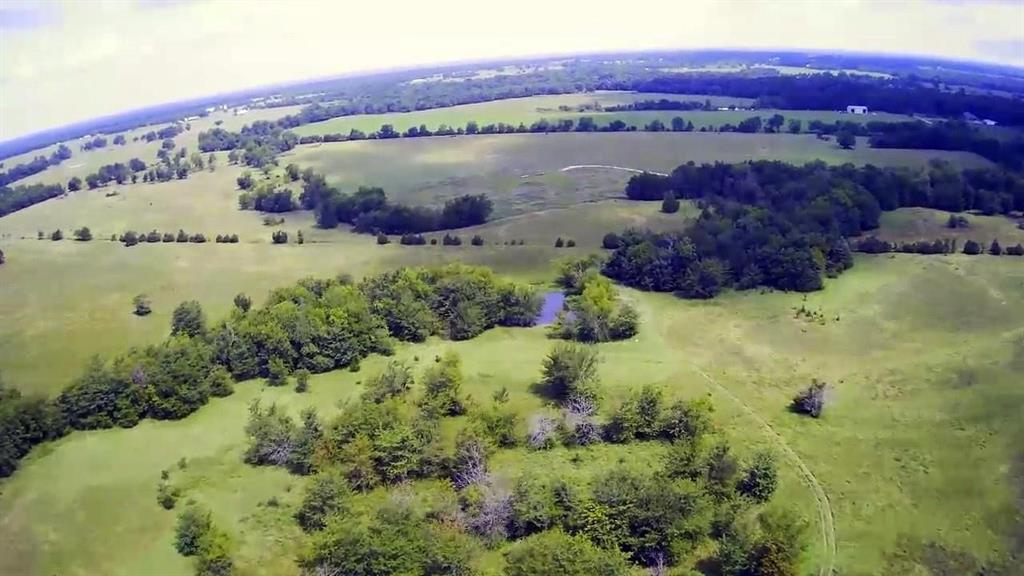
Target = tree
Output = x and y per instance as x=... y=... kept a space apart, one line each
x=279 y=237
x=846 y=139
x=188 y=319
x=277 y=372
x=972 y=248
x=293 y=171
x=555 y=552
x=442 y=385
x=243 y=302
x=760 y=478
x=299 y=238
x=142 y=305
x=2 y=259
x=193 y=526
x=74 y=184
x=57 y=235
x=382 y=239
x=559 y=243
x=794 y=126
x=611 y=241
x=395 y=381
x=570 y=371
x=83 y=234
x=214 y=558
x=245 y=181
x=326 y=494
x=811 y=400
x=670 y=204
x=302 y=380
x=678 y=125
x=995 y=249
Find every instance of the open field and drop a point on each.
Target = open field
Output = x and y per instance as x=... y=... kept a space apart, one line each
x=925 y=418
x=83 y=163
x=534 y=108
x=914 y=224
x=431 y=170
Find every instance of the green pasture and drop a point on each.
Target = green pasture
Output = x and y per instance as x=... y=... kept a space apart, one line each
x=916 y=447
x=915 y=224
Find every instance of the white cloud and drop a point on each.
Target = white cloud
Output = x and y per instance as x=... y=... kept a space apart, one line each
x=63 y=62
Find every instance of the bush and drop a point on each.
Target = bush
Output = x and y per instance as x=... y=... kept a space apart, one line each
x=972 y=248
x=570 y=371
x=327 y=494
x=302 y=380
x=554 y=552
x=57 y=235
x=166 y=496
x=611 y=241
x=760 y=479
x=477 y=240
x=279 y=237
x=811 y=401
x=670 y=204
x=570 y=243
x=83 y=234
x=559 y=243
x=382 y=239
x=193 y=525
x=995 y=249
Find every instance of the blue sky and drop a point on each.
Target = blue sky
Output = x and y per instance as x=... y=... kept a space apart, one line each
x=62 y=62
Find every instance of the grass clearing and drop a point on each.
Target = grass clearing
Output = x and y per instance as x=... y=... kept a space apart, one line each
x=906 y=431
x=915 y=224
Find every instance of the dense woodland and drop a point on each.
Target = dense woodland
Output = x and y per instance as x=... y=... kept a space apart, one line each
x=317 y=325
x=784 y=226
x=37 y=165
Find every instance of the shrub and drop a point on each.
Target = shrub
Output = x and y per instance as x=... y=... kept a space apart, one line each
x=554 y=552
x=559 y=242
x=166 y=496
x=477 y=240
x=570 y=371
x=972 y=248
x=142 y=305
x=279 y=237
x=395 y=381
x=670 y=204
x=995 y=249
x=83 y=234
x=570 y=243
x=442 y=385
x=219 y=382
x=382 y=239
x=302 y=380
x=811 y=400
x=760 y=478
x=193 y=525
x=57 y=235
x=611 y=241
x=277 y=372
x=327 y=494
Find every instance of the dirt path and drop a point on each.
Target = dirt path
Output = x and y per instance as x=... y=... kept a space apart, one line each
x=582 y=166
x=825 y=516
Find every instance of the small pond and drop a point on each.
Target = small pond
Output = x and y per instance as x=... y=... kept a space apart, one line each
x=553 y=303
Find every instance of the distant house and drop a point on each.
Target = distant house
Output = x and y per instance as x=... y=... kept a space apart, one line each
x=856 y=109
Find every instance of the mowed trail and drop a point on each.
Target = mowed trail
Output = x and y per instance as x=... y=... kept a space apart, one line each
x=607 y=167
x=825 y=516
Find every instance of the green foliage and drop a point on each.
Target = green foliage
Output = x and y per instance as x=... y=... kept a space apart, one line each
x=688 y=420
x=277 y=372
x=554 y=552
x=188 y=319
x=761 y=478
x=570 y=371
x=846 y=140
x=533 y=507
x=302 y=380
x=501 y=425
x=219 y=382
x=167 y=495
x=442 y=385
x=670 y=204
x=638 y=417
x=83 y=234
x=214 y=557
x=394 y=382
x=327 y=494
x=193 y=525
x=242 y=302
x=142 y=305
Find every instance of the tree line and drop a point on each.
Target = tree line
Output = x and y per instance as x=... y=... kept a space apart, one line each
x=783 y=226
x=316 y=325
x=618 y=520
x=259 y=142
x=15 y=198
x=368 y=209
x=874 y=245
x=35 y=166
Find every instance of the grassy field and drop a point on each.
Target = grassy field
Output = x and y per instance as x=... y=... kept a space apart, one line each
x=523 y=166
x=916 y=453
x=916 y=449
x=83 y=163
x=534 y=108
x=914 y=224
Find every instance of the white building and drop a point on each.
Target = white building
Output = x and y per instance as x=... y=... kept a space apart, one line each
x=856 y=109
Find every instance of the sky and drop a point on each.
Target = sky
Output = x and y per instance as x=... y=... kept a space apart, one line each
x=67 y=61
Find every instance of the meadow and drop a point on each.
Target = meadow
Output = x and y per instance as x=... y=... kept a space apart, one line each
x=520 y=171
x=916 y=454
x=531 y=109
x=924 y=418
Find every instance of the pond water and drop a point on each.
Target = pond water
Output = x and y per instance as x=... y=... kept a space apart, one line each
x=553 y=303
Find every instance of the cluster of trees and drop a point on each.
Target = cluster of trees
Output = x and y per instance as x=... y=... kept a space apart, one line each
x=368 y=209
x=593 y=311
x=661 y=104
x=94 y=143
x=166 y=133
x=35 y=166
x=621 y=518
x=264 y=197
x=259 y=143
x=195 y=535
x=874 y=245
x=784 y=226
x=15 y=198
x=316 y=325
x=131 y=238
x=116 y=172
